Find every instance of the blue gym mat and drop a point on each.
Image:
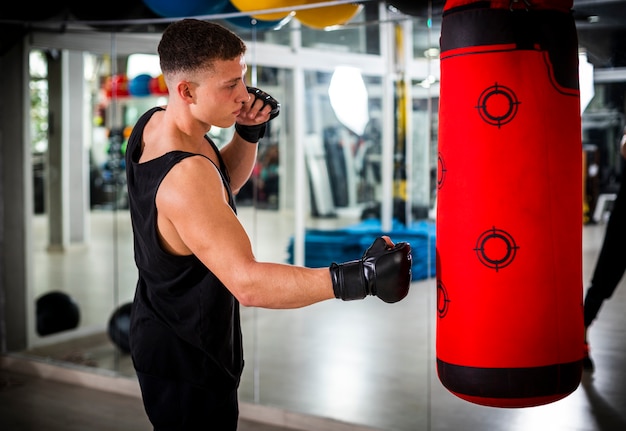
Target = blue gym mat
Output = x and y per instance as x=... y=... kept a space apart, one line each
x=323 y=247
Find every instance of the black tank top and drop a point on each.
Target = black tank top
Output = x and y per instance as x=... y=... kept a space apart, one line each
x=185 y=324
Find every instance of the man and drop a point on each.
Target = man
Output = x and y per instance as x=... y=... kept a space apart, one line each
x=611 y=263
x=194 y=258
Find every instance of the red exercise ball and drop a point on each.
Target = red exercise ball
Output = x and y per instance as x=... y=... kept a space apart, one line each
x=116 y=85
x=157 y=86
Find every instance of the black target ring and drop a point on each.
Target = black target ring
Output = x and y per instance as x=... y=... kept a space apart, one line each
x=441 y=171
x=496 y=240
x=493 y=98
x=443 y=300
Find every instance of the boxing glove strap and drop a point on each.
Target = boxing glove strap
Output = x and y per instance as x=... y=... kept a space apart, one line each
x=251 y=133
x=349 y=282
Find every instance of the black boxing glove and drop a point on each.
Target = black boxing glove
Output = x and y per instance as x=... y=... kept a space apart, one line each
x=383 y=271
x=267 y=100
x=254 y=133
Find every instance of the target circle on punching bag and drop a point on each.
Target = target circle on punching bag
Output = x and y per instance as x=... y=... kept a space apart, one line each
x=496 y=248
x=441 y=174
x=442 y=299
x=497 y=105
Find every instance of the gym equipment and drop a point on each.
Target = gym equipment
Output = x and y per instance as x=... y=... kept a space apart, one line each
x=116 y=85
x=509 y=225
x=185 y=8
x=139 y=86
x=56 y=312
x=119 y=327
x=157 y=86
x=322 y=204
x=322 y=17
x=336 y=165
x=257 y=5
x=322 y=247
x=248 y=22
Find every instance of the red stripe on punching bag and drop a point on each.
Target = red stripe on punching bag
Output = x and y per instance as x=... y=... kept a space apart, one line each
x=509 y=207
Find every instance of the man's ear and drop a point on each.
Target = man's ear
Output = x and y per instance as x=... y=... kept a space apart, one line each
x=185 y=91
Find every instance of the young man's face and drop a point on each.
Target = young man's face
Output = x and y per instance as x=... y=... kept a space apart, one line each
x=220 y=93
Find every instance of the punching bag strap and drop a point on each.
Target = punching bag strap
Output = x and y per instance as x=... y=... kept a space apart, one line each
x=545 y=29
x=558 y=5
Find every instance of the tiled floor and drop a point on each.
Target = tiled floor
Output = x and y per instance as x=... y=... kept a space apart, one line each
x=364 y=362
x=31 y=403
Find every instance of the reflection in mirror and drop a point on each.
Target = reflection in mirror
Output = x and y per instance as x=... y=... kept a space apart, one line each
x=279 y=344
x=81 y=252
x=348 y=98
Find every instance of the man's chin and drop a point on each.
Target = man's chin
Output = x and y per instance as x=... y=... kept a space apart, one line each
x=225 y=124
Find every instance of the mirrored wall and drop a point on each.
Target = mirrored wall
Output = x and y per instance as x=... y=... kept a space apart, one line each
x=333 y=171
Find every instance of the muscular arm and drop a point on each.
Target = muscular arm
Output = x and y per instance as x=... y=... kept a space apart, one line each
x=194 y=217
x=239 y=154
x=239 y=157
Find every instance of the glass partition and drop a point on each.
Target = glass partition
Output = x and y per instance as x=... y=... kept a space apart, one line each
x=323 y=360
x=84 y=276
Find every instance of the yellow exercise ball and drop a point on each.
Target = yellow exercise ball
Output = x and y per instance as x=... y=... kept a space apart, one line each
x=250 y=5
x=322 y=17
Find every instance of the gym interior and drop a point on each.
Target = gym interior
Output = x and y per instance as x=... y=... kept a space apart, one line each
x=354 y=153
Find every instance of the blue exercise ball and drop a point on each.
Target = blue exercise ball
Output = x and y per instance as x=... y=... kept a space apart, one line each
x=185 y=8
x=139 y=86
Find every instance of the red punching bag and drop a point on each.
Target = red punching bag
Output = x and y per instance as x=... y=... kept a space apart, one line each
x=509 y=208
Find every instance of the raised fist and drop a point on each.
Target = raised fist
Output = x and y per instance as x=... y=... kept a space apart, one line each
x=383 y=271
